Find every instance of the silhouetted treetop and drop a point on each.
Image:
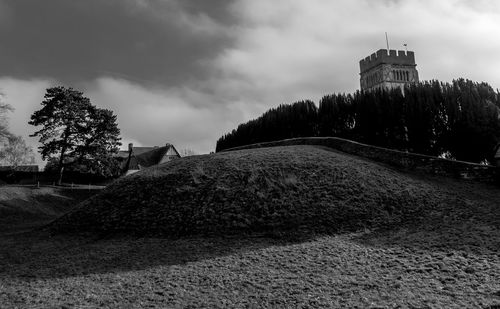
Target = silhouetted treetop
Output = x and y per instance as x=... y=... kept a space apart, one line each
x=458 y=120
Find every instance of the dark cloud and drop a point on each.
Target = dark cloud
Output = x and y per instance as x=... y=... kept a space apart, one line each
x=188 y=71
x=216 y=9
x=162 y=42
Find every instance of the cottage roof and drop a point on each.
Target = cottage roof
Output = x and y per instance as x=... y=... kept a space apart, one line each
x=146 y=158
x=141 y=150
x=141 y=157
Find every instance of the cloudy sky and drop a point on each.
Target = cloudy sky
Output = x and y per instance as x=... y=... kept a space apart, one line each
x=188 y=71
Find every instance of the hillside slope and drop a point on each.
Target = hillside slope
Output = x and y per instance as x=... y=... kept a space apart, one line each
x=275 y=190
x=28 y=206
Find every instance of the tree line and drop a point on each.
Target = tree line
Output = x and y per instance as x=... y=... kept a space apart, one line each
x=458 y=120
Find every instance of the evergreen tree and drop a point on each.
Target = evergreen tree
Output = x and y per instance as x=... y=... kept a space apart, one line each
x=458 y=119
x=74 y=131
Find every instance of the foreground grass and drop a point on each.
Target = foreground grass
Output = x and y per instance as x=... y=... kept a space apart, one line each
x=364 y=270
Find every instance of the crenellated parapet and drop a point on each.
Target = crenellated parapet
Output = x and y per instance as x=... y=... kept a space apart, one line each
x=399 y=57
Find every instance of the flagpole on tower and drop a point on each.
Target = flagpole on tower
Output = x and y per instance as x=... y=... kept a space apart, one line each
x=387 y=41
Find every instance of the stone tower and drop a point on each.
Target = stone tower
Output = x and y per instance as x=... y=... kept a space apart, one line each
x=388 y=70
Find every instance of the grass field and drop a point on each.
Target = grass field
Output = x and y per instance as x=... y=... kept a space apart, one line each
x=23 y=208
x=446 y=257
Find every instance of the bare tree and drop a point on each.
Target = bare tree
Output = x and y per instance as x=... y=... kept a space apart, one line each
x=4 y=124
x=15 y=152
x=13 y=149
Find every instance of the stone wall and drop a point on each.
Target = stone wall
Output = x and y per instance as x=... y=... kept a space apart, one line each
x=403 y=160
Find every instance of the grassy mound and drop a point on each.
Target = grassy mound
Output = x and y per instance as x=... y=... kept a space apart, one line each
x=28 y=206
x=279 y=189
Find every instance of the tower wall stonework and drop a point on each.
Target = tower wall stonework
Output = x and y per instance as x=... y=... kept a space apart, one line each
x=388 y=69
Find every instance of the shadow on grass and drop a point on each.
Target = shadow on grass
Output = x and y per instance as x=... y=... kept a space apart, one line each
x=473 y=238
x=34 y=255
